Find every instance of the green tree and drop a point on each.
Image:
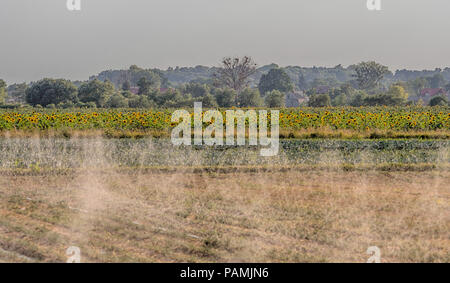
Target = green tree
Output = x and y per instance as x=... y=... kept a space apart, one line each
x=209 y=101
x=65 y=105
x=117 y=101
x=235 y=73
x=447 y=87
x=225 y=97
x=250 y=98
x=51 y=91
x=126 y=85
x=436 y=81
x=17 y=92
x=319 y=82
x=395 y=96
x=302 y=84
x=275 y=79
x=2 y=91
x=196 y=89
x=174 y=99
x=274 y=99
x=358 y=99
x=154 y=78
x=439 y=101
x=328 y=81
x=369 y=74
x=140 y=101
x=319 y=100
x=145 y=85
x=128 y=94
x=397 y=90
x=343 y=91
x=96 y=91
x=340 y=100
x=418 y=84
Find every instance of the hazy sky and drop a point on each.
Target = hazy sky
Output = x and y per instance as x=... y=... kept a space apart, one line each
x=41 y=38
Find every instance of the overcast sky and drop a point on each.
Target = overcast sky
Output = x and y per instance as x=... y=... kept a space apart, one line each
x=41 y=38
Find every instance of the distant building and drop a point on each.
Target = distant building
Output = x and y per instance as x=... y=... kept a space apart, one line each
x=430 y=92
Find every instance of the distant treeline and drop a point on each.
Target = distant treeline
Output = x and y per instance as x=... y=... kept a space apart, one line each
x=302 y=77
x=237 y=82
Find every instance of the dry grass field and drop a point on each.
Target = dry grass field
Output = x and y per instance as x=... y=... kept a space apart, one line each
x=274 y=216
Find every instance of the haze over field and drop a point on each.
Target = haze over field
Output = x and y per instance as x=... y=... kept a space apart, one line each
x=218 y=131
x=43 y=39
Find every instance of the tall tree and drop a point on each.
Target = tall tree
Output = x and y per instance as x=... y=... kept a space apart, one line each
x=418 y=84
x=117 y=100
x=275 y=79
x=250 y=98
x=369 y=74
x=235 y=72
x=17 y=92
x=51 y=91
x=398 y=91
x=436 y=81
x=136 y=74
x=2 y=91
x=145 y=85
x=196 y=89
x=225 y=97
x=319 y=100
x=395 y=96
x=275 y=98
x=209 y=101
x=447 y=87
x=126 y=85
x=439 y=101
x=302 y=84
x=96 y=91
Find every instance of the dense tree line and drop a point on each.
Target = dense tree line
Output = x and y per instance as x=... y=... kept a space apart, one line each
x=2 y=91
x=232 y=85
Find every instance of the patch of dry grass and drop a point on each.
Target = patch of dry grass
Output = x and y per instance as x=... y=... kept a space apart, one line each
x=311 y=133
x=273 y=216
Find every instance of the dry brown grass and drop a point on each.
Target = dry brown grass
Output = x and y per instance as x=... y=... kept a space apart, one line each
x=312 y=133
x=294 y=216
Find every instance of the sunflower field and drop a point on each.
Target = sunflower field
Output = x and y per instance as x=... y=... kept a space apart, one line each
x=334 y=118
